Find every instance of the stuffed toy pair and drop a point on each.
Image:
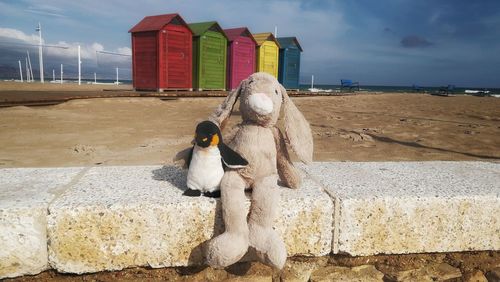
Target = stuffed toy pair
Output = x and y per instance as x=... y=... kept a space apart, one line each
x=265 y=151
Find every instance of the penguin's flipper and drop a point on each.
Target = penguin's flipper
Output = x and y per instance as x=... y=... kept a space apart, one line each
x=183 y=158
x=214 y=194
x=190 y=157
x=230 y=158
x=192 y=193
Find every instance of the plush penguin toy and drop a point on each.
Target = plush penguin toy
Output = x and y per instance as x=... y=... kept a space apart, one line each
x=208 y=160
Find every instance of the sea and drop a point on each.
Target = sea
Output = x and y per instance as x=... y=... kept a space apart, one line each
x=399 y=89
x=495 y=92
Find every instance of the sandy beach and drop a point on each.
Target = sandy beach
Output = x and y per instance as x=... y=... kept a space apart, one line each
x=127 y=131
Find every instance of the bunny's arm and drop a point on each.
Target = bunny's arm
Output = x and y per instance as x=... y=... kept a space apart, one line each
x=287 y=172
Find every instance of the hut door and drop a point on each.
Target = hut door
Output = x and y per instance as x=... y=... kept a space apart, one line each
x=178 y=71
x=292 y=67
x=145 y=60
x=270 y=59
x=213 y=60
x=244 y=59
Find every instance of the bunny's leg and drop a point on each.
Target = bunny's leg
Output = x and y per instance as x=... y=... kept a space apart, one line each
x=232 y=245
x=265 y=205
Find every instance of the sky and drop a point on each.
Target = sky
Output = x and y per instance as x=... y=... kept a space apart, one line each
x=385 y=42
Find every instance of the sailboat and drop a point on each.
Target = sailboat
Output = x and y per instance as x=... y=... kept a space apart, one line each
x=315 y=90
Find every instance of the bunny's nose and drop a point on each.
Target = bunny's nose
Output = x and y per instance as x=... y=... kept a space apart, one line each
x=260 y=103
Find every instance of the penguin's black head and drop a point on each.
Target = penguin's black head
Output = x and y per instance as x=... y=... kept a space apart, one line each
x=207 y=134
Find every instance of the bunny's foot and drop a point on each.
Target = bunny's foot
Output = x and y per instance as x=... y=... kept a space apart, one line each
x=226 y=249
x=268 y=245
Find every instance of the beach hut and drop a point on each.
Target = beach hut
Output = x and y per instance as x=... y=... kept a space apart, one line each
x=289 y=62
x=162 y=53
x=240 y=55
x=267 y=53
x=209 y=56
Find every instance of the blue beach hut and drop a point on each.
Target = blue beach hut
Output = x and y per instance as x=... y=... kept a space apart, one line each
x=289 y=62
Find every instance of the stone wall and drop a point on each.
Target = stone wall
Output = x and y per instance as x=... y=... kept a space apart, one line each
x=111 y=218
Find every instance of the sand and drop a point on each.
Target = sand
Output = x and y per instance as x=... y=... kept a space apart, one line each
x=134 y=131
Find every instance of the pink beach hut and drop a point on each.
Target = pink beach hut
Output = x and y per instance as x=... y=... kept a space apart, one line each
x=240 y=55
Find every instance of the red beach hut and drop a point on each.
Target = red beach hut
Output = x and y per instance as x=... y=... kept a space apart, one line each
x=240 y=55
x=162 y=53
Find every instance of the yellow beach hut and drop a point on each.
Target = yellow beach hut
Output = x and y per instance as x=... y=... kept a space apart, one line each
x=268 y=50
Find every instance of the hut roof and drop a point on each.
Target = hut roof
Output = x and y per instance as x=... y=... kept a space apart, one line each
x=152 y=23
x=288 y=41
x=200 y=28
x=233 y=33
x=265 y=36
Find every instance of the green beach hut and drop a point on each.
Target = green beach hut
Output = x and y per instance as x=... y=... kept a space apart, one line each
x=209 y=56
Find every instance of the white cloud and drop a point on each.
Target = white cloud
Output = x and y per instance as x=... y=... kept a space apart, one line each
x=62 y=49
x=124 y=51
x=11 y=34
x=45 y=13
x=434 y=16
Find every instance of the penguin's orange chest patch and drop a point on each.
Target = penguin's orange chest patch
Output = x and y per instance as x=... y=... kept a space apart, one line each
x=215 y=140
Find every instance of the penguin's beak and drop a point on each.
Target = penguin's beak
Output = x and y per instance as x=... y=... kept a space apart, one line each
x=215 y=140
x=193 y=142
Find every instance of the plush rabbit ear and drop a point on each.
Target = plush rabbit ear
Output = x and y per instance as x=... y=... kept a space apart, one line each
x=223 y=112
x=297 y=129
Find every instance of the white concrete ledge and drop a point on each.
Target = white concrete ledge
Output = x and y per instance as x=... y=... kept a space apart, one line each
x=109 y=218
x=117 y=217
x=412 y=207
x=25 y=195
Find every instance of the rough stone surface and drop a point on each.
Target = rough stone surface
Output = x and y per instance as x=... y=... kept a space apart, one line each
x=300 y=271
x=476 y=276
x=24 y=197
x=306 y=220
x=412 y=207
x=493 y=275
x=433 y=272
x=250 y=278
x=117 y=217
x=363 y=273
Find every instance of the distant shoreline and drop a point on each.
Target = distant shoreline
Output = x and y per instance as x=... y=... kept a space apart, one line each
x=72 y=83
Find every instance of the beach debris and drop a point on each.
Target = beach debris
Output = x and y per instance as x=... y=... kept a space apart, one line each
x=339 y=273
x=357 y=135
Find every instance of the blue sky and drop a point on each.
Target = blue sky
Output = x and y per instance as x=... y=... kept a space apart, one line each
x=386 y=42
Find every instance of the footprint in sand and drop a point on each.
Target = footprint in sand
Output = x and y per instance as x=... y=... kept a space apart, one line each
x=357 y=136
x=6 y=162
x=83 y=149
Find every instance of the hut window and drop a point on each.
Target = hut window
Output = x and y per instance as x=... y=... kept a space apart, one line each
x=176 y=21
x=214 y=28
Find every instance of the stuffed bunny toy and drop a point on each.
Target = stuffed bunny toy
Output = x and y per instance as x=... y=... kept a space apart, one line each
x=262 y=144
